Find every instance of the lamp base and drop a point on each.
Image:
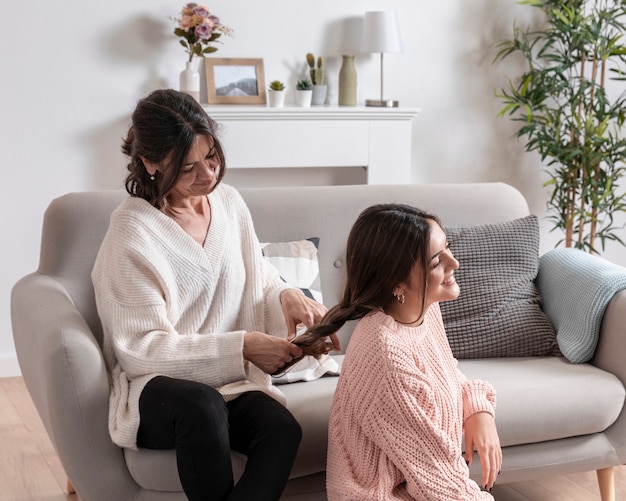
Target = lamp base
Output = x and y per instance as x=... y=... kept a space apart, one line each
x=381 y=103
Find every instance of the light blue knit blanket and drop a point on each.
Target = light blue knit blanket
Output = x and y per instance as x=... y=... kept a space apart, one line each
x=576 y=289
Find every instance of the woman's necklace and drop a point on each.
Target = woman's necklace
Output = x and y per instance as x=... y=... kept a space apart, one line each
x=408 y=323
x=404 y=323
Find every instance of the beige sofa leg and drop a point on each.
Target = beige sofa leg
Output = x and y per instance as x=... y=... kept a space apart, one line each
x=606 y=482
x=70 y=487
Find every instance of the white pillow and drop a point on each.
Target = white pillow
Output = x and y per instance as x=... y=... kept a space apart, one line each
x=309 y=369
x=297 y=265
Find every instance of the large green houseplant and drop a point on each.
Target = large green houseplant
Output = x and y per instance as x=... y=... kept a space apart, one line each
x=568 y=116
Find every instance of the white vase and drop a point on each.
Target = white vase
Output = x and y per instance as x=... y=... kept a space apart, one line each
x=276 y=98
x=190 y=81
x=319 y=95
x=303 y=98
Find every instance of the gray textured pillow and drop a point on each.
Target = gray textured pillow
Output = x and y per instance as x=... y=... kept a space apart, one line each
x=498 y=313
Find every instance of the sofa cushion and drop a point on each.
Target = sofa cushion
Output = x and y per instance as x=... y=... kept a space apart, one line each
x=547 y=398
x=308 y=369
x=156 y=469
x=310 y=404
x=538 y=399
x=297 y=264
x=498 y=313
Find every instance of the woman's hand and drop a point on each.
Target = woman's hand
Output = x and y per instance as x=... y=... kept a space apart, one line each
x=481 y=435
x=268 y=353
x=300 y=309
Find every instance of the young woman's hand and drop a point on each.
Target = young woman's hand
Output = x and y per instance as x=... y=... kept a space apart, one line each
x=481 y=435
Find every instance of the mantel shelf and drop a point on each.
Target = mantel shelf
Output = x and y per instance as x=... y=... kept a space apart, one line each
x=260 y=137
x=263 y=113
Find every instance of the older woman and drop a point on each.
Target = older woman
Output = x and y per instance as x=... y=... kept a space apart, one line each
x=194 y=318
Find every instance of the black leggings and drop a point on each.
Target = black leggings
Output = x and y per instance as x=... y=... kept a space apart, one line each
x=194 y=419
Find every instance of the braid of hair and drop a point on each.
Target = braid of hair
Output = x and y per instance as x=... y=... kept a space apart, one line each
x=314 y=341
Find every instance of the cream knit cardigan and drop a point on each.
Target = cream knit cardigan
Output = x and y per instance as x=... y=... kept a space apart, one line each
x=170 y=306
x=397 y=418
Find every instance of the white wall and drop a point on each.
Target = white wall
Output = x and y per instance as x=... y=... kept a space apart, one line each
x=72 y=71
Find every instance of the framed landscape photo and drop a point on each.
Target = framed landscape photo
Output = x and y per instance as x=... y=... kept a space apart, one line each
x=234 y=81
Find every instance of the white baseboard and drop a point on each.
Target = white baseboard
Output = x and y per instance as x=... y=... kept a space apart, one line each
x=9 y=367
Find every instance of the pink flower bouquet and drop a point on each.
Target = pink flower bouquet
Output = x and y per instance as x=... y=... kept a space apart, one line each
x=198 y=29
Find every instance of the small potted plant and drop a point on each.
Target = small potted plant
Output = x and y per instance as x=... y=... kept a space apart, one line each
x=304 y=93
x=277 y=94
x=316 y=70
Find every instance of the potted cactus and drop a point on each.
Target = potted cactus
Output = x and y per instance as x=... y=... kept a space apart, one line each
x=304 y=93
x=276 y=94
x=316 y=70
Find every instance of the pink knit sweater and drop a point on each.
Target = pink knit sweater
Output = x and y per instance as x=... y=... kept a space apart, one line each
x=397 y=418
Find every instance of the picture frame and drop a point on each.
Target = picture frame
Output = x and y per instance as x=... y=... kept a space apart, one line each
x=235 y=80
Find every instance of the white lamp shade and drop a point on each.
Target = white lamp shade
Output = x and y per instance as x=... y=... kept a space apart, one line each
x=381 y=32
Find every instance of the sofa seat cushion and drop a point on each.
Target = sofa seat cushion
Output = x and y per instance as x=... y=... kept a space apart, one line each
x=308 y=401
x=547 y=398
x=156 y=469
x=538 y=399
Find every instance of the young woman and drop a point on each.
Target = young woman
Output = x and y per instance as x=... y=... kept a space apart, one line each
x=189 y=308
x=402 y=406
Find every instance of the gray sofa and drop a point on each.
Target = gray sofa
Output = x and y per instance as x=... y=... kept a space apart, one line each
x=547 y=419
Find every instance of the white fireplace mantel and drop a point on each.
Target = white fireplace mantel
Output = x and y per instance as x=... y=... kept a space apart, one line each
x=379 y=139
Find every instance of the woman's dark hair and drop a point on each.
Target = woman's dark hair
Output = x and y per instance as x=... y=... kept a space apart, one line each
x=386 y=241
x=164 y=127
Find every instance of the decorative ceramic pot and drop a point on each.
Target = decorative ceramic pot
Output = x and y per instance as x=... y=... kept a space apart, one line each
x=189 y=82
x=319 y=95
x=303 y=98
x=276 y=98
x=347 y=81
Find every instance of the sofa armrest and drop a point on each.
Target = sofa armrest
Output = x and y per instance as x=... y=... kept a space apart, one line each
x=610 y=355
x=576 y=288
x=611 y=351
x=594 y=290
x=65 y=373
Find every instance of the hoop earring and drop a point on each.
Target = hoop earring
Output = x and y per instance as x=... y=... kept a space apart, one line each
x=400 y=298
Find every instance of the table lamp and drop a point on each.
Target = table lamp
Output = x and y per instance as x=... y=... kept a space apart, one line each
x=381 y=34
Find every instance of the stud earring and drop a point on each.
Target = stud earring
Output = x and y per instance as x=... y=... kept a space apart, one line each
x=152 y=178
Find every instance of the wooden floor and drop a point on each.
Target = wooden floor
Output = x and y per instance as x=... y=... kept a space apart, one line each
x=31 y=471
